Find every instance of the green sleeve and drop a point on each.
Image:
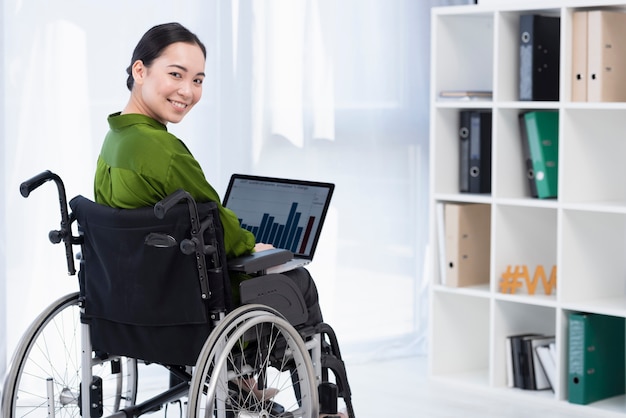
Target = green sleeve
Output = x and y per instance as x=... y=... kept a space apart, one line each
x=185 y=172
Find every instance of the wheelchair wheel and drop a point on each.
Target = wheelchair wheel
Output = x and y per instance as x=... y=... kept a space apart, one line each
x=47 y=365
x=253 y=344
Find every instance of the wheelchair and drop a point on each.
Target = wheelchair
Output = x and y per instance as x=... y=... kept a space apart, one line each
x=154 y=289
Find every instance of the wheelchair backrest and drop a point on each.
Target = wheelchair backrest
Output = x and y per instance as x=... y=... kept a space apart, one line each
x=142 y=295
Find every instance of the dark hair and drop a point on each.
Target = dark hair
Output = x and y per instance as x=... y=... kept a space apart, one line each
x=153 y=42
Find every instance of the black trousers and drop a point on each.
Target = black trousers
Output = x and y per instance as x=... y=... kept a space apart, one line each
x=302 y=279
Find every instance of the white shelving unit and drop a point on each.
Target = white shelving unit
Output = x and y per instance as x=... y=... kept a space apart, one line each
x=583 y=232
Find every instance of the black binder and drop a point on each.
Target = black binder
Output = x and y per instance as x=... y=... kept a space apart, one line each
x=475 y=151
x=520 y=370
x=539 y=57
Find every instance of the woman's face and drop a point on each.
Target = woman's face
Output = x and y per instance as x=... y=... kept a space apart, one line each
x=172 y=85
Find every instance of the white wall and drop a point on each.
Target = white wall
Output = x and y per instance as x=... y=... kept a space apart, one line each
x=64 y=73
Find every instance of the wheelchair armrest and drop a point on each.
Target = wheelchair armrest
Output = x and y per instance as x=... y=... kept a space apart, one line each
x=259 y=261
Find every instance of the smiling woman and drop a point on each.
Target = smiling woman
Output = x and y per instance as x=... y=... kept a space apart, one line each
x=141 y=162
x=166 y=86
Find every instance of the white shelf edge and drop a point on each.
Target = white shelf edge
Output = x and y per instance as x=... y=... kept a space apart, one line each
x=526 y=201
x=594 y=105
x=604 y=206
x=604 y=306
x=481 y=291
x=536 y=300
x=460 y=197
x=527 y=105
x=601 y=206
x=466 y=104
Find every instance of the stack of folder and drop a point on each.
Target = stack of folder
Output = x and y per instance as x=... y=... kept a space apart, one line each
x=525 y=368
x=599 y=56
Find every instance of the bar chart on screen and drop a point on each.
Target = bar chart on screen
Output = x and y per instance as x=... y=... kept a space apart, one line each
x=285 y=213
x=293 y=234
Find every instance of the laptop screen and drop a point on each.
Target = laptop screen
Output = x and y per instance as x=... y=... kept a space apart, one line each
x=286 y=213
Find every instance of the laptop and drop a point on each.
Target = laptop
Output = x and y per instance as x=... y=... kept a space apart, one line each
x=288 y=214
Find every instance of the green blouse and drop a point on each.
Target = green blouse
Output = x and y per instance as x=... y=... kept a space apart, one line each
x=141 y=163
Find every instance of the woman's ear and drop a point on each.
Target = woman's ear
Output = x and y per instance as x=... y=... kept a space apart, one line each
x=139 y=71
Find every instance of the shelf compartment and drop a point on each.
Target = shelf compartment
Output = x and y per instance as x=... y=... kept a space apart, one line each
x=460 y=64
x=460 y=335
x=524 y=236
x=593 y=246
x=507 y=47
x=446 y=151
x=591 y=155
x=509 y=167
x=610 y=405
x=511 y=318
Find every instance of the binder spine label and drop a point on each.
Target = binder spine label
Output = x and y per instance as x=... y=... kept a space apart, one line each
x=576 y=360
x=464 y=151
x=526 y=58
x=475 y=174
x=576 y=347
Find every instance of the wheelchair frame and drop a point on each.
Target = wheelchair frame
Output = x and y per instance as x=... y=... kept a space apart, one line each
x=214 y=387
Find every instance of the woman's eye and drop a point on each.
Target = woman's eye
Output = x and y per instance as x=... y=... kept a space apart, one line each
x=198 y=80
x=174 y=74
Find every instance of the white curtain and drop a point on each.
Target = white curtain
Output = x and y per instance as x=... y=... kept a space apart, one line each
x=337 y=91
x=3 y=243
x=312 y=89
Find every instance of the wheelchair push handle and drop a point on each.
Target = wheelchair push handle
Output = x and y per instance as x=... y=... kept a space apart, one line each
x=163 y=206
x=64 y=233
x=31 y=184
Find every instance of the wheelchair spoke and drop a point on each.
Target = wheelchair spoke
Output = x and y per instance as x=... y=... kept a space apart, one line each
x=48 y=361
x=248 y=375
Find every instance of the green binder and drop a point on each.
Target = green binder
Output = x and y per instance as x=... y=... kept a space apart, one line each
x=596 y=357
x=541 y=134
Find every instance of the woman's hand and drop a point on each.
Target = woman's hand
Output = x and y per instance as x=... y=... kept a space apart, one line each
x=260 y=246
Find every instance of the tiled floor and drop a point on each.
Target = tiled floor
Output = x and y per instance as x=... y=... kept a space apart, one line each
x=400 y=388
